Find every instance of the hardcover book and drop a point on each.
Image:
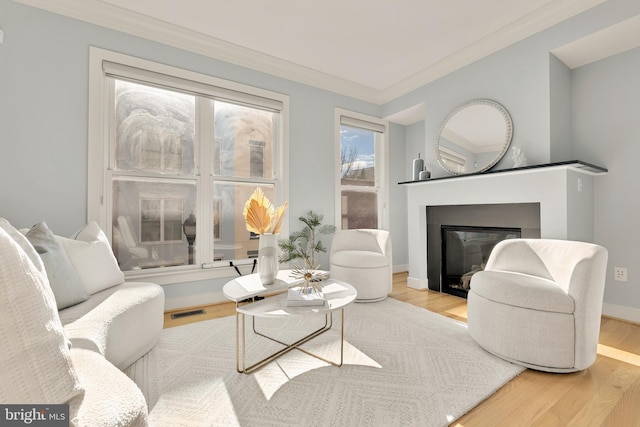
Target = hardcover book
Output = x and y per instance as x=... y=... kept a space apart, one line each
x=297 y=298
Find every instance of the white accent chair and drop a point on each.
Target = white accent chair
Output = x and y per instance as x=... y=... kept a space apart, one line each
x=538 y=303
x=363 y=259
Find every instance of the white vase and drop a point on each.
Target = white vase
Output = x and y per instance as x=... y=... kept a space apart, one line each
x=268 y=258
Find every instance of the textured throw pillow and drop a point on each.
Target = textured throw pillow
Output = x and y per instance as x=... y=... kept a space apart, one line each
x=93 y=259
x=36 y=367
x=22 y=241
x=63 y=278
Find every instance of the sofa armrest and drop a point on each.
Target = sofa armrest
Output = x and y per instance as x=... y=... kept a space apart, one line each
x=110 y=398
x=124 y=326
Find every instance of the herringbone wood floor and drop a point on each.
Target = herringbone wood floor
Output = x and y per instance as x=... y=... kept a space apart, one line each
x=606 y=394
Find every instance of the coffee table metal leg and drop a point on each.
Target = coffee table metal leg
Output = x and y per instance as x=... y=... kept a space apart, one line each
x=238 y=343
x=288 y=347
x=341 y=345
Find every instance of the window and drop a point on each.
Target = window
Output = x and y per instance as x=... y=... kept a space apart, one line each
x=361 y=167
x=217 y=214
x=453 y=160
x=256 y=154
x=169 y=146
x=161 y=220
x=216 y=156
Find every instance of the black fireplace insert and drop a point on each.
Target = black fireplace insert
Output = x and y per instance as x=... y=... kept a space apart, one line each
x=465 y=250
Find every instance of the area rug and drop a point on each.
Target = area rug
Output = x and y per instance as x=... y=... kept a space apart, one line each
x=403 y=366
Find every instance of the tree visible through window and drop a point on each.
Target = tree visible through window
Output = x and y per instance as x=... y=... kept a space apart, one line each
x=359 y=193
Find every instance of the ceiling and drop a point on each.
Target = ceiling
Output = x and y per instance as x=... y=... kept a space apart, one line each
x=375 y=50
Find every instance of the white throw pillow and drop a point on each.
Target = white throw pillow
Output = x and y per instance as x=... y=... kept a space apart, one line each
x=34 y=355
x=63 y=278
x=93 y=259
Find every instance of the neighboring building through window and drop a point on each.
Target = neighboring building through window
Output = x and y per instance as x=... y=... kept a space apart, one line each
x=361 y=194
x=179 y=144
x=161 y=220
x=256 y=156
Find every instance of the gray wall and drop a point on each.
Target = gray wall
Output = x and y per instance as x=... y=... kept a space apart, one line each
x=398 y=197
x=606 y=130
x=589 y=114
x=414 y=145
x=43 y=108
x=43 y=124
x=521 y=77
x=516 y=77
x=560 y=110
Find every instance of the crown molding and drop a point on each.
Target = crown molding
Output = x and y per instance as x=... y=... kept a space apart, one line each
x=109 y=16
x=610 y=41
x=115 y=18
x=519 y=30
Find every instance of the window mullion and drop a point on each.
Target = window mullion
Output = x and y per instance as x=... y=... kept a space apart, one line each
x=109 y=153
x=240 y=179
x=204 y=156
x=361 y=188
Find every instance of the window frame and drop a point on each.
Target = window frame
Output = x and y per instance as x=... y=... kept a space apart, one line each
x=381 y=150
x=454 y=160
x=99 y=159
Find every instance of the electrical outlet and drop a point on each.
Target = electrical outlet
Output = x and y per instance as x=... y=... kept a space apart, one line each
x=620 y=274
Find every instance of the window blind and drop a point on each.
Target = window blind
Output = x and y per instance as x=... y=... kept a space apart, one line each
x=361 y=124
x=139 y=75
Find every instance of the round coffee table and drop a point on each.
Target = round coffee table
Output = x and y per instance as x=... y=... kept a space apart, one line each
x=244 y=289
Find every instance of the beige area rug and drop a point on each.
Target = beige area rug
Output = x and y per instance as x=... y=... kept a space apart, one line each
x=404 y=366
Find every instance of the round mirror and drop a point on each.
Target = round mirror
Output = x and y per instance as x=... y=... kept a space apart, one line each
x=474 y=137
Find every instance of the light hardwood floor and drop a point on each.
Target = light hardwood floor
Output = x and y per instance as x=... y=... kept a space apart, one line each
x=606 y=394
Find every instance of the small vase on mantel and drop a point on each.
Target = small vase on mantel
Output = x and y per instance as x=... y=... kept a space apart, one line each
x=418 y=166
x=268 y=258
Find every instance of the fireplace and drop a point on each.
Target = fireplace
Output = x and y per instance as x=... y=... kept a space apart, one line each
x=475 y=225
x=562 y=195
x=465 y=250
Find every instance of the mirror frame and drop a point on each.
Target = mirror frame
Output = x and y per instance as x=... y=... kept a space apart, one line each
x=509 y=134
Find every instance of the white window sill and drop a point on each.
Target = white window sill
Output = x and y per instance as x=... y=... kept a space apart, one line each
x=172 y=275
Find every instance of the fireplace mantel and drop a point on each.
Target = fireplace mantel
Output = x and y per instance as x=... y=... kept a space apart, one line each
x=571 y=164
x=564 y=190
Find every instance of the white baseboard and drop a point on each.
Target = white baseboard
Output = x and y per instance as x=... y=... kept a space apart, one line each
x=630 y=314
x=419 y=284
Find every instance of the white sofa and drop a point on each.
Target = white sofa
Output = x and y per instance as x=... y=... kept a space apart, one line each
x=73 y=324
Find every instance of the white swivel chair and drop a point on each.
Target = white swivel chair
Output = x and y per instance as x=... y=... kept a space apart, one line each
x=538 y=303
x=363 y=259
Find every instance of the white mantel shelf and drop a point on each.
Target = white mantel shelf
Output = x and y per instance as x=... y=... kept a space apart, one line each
x=564 y=191
x=570 y=164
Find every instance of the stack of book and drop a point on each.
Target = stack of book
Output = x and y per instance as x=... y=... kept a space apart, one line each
x=296 y=297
